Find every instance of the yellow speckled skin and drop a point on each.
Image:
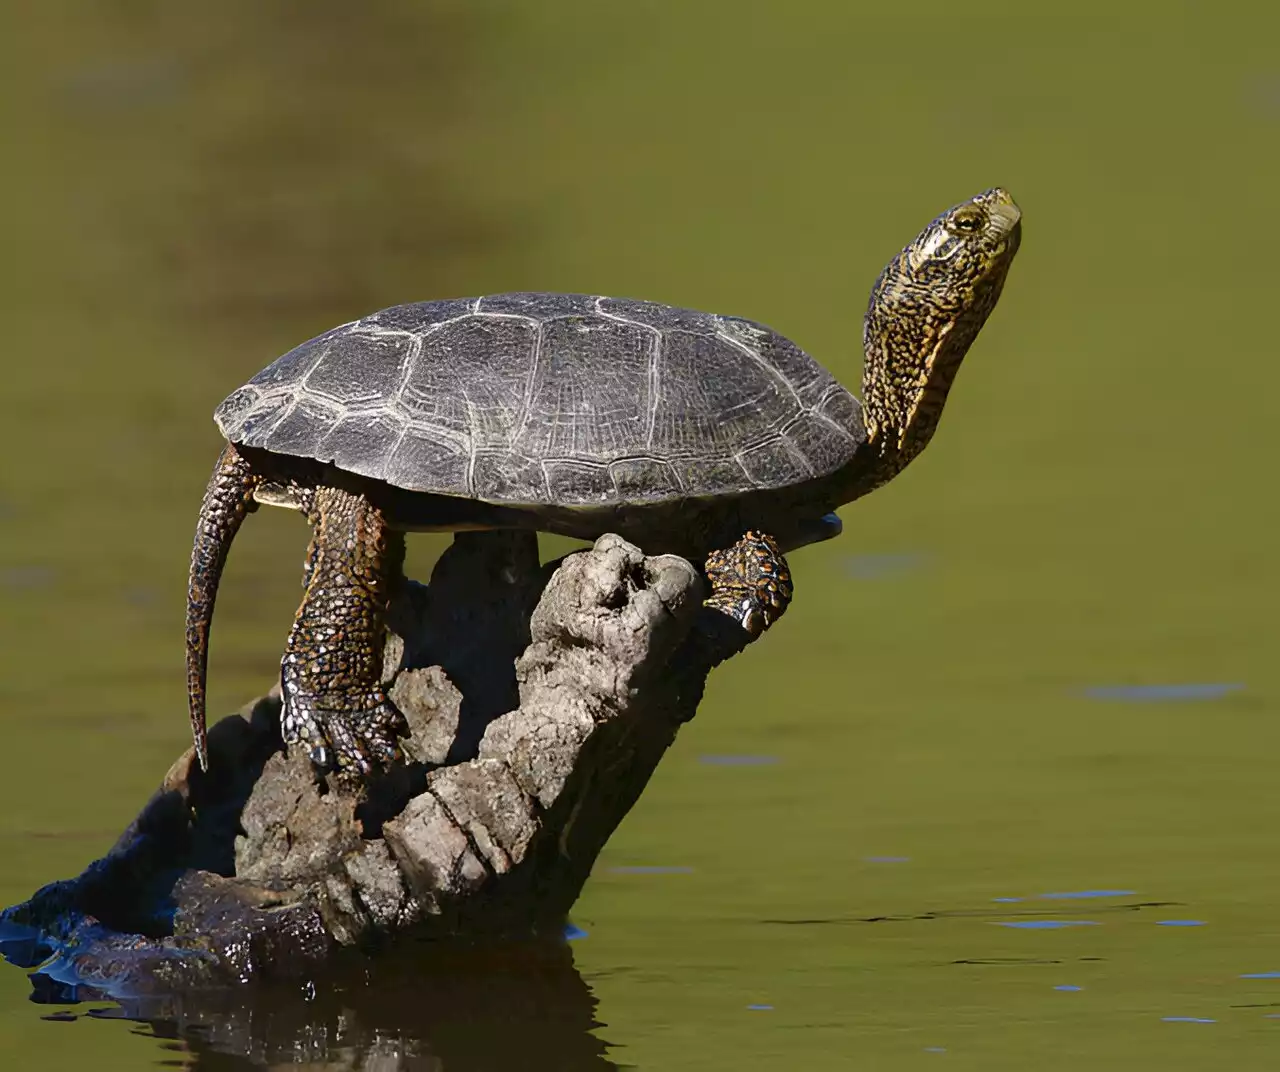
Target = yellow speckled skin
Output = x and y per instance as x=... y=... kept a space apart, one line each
x=750 y=582
x=926 y=309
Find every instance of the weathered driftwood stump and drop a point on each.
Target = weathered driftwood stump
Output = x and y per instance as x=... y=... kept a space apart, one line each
x=537 y=716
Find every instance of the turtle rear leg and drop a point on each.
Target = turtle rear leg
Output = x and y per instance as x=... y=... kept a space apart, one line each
x=750 y=582
x=227 y=499
x=331 y=672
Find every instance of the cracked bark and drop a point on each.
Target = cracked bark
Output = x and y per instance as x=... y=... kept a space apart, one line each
x=539 y=699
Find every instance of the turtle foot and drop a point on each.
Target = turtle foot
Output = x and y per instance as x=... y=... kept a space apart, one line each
x=750 y=582
x=355 y=735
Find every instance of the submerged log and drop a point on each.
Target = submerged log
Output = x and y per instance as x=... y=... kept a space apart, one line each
x=539 y=699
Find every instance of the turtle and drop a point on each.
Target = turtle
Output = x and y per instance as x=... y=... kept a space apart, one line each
x=709 y=436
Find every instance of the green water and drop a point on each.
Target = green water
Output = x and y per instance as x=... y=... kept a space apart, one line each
x=191 y=194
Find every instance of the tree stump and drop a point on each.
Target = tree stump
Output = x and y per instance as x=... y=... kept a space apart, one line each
x=539 y=699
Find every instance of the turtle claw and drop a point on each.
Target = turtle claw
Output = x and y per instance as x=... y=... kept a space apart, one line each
x=358 y=737
x=319 y=755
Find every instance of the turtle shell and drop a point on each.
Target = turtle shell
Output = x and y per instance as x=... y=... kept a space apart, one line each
x=553 y=399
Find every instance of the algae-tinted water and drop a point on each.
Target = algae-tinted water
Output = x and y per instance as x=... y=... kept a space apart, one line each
x=1037 y=663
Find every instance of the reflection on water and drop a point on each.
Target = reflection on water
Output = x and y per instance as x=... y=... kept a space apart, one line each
x=26 y=577
x=1047 y=924
x=650 y=869
x=1152 y=693
x=1030 y=918
x=149 y=81
x=873 y=566
x=1076 y=895
x=421 y=1010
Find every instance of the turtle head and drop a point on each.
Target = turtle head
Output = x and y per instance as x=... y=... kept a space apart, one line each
x=926 y=309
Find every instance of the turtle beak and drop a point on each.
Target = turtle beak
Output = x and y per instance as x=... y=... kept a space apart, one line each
x=1006 y=217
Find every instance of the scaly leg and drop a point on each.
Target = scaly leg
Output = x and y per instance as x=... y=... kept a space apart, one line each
x=227 y=499
x=331 y=672
x=750 y=582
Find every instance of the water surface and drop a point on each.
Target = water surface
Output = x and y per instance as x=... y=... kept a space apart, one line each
x=190 y=197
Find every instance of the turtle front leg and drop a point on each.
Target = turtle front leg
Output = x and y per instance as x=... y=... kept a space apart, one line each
x=750 y=582
x=334 y=703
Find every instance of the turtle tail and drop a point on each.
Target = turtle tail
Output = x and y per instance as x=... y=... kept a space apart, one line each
x=227 y=499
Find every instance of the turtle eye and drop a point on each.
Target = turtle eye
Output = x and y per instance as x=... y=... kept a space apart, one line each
x=966 y=221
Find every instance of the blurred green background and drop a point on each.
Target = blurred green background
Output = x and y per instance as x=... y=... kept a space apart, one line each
x=193 y=190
